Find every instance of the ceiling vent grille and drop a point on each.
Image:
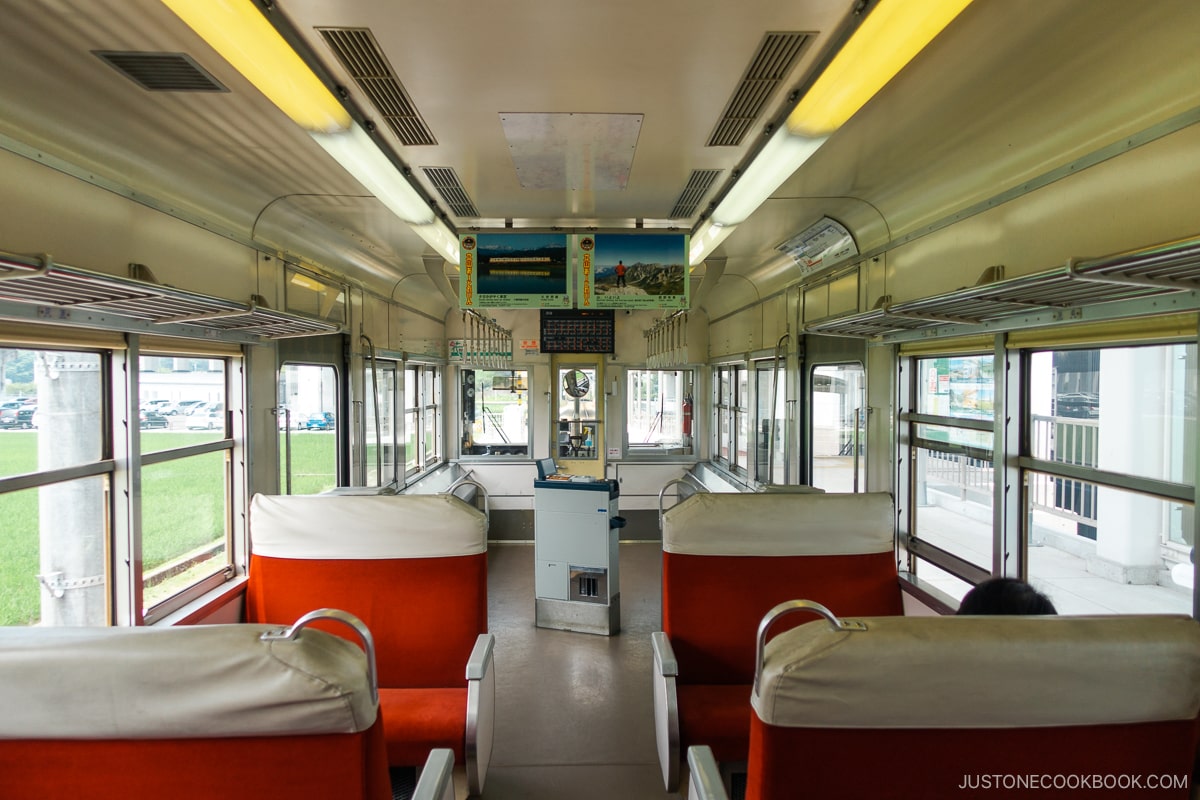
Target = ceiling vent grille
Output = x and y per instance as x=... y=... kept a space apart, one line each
x=697 y=186
x=770 y=66
x=446 y=181
x=359 y=53
x=161 y=72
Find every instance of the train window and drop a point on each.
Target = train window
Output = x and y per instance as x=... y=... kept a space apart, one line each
x=380 y=424
x=658 y=411
x=953 y=477
x=314 y=295
x=1108 y=528
x=53 y=554
x=838 y=427
x=495 y=412
x=309 y=394
x=731 y=410
x=185 y=523
x=52 y=408
x=430 y=418
x=181 y=401
x=422 y=403
x=185 y=483
x=769 y=423
x=578 y=431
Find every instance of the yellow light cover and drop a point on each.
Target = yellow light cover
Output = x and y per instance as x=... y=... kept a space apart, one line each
x=243 y=36
x=891 y=35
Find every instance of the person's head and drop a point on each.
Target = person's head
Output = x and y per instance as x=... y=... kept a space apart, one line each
x=1005 y=596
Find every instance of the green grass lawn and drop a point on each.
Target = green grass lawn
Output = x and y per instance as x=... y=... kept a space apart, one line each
x=183 y=508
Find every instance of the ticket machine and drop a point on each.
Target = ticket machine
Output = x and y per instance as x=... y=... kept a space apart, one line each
x=576 y=529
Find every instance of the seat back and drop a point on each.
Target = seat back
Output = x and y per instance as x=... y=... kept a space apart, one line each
x=1013 y=702
x=187 y=713
x=729 y=558
x=412 y=567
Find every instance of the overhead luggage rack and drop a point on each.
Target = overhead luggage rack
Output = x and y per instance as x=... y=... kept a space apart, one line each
x=1162 y=270
x=161 y=308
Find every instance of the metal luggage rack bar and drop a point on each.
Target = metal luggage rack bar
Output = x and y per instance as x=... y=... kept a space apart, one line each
x=1150 y=272
x=41 y=282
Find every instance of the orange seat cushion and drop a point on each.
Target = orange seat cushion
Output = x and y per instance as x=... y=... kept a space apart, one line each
x=718 y=716
x=951 y=763
x=712 y=604
x=418 y=720
x=265 y=768
x=424 y=613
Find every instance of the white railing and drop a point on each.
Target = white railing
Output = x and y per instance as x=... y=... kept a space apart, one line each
x=1062 y=439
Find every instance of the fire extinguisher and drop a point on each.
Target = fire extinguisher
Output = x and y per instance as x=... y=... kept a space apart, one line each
x=687 y=416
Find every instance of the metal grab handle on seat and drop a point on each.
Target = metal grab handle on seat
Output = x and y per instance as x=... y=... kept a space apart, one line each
x=466 y=480
x=696 y=488
x=782 y=610
x=336 y=615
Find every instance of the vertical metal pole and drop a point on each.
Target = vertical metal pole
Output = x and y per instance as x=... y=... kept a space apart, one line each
x=784 y=341
x=1009 y=535
x=1196 y=523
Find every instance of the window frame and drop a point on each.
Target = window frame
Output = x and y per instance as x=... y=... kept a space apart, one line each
x=1015 y=462
x=686 y=448
x=121 y=464
x=463 y=425
x=728 y=412
x=911 y=419
x=427 y=414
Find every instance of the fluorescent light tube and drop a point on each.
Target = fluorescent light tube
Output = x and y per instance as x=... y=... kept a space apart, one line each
x=243 y=36
x=361 y=157
x=891 y=35
x=706 y=239
x=782 y=156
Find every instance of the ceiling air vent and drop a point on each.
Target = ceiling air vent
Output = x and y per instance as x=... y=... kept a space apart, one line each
x=770 y=66
x=359 y=53
x=161 y=72
x=697 y=185
x=446 y=181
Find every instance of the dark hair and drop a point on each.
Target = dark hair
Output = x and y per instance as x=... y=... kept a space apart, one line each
x=1005 y=596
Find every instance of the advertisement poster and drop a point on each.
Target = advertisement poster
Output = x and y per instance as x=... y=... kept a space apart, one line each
x=514 y=270
x=634 y=270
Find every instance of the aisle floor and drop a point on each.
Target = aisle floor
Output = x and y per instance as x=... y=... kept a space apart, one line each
x=574 y=712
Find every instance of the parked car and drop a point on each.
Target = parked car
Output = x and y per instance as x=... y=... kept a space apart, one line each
x=26 y=415
x=17 y=414
x=149 y=418
x=206 y=416
x=316 y=421
x=183 y=407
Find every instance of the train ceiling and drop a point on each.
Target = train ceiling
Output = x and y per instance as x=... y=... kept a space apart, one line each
x=620 y=114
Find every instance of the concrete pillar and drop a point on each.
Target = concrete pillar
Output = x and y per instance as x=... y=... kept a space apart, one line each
x=1133 y=440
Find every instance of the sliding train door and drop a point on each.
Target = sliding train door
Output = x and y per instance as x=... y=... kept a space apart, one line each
x=311 y=405
x=836 y=411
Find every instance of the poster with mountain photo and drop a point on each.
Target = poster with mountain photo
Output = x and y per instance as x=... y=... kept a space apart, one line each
x=633 y=270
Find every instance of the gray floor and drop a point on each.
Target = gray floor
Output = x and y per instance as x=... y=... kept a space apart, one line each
x=574 y=712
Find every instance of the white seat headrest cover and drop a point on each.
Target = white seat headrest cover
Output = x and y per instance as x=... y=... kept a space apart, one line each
x=982 y=672
x=376 y=527
x=203 y=681
x=780 y=524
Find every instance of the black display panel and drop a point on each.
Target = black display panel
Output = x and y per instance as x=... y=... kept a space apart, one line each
x=575 y=330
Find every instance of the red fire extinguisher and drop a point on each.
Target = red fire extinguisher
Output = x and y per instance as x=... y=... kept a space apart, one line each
x=687 y=416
